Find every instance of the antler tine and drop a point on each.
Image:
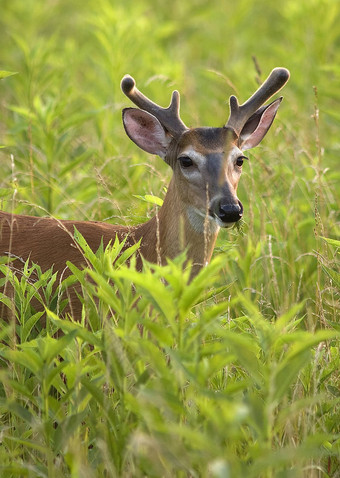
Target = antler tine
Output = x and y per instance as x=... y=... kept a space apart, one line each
x=240 y=114
x=169 y=117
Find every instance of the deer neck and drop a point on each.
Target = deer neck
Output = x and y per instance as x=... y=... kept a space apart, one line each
x=175 y=228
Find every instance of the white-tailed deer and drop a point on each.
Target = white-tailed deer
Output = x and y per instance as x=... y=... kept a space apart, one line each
x=201 y=198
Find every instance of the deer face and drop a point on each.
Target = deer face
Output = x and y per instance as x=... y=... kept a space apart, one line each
x=207 y=167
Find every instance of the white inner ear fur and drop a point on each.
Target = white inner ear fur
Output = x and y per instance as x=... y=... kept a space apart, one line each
x=267 y=118
x=146 y=131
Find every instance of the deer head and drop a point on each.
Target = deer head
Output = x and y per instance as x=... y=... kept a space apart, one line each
x=206 y=162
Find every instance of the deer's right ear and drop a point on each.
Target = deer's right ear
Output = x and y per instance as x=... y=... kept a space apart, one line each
x=146 y=131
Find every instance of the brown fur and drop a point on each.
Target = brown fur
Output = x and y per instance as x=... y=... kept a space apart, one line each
x=49 y=242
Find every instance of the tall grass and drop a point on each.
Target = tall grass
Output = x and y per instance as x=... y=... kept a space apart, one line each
x=232 y=375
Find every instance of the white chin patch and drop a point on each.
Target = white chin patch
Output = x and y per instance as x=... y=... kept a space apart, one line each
x=201 y=222
x=225 y=225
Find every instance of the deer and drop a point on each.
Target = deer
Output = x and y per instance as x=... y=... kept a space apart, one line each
x=201 y=198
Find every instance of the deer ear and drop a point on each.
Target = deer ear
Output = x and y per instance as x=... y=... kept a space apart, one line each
x=257 y=125
x=146 y=131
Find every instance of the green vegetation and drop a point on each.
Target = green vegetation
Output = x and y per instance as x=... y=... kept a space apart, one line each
x=237 y=373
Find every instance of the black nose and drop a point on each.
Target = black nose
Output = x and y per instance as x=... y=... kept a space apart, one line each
x=229 y=212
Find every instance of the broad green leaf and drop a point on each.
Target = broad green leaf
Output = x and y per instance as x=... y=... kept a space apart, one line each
x=156 y=357
x=29 y=324
x=193 y=291
x=287 y=372
x=53 y=347
x=213 y=312
x=69 y=327
x=157 y=292
x=26 y=358
x=55 y=371
x=294 y=408
x=311 y=446
x=20 y=411
x=79 y=274
x=310 y=340
x=207 y=322
x=7 y=301
x=162 y=334
x=245 y=348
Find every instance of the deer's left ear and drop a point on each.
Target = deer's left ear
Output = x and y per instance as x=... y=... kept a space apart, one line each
x=257 y=125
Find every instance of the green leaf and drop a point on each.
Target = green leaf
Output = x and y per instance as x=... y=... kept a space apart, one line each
x=55 y=371
x=20 y=411
x=297 y=357
x=27 y=444
x=68 y=428
x=7 y=301
x=5 y=74
x=96 y=392
x=287 y=372
x=27 y=358
x=79 y=274
x=161 y=333
x=29 y=324
x=245 y=348
x=22 y=111
x=22 y=390
x=287 y=318
x=68 y=327
x=334 y=275
x=333 y=242
x=53 y=347
x=106 y=292
x=152 y=286
x=126 y=254
x=150 y=199
x=194 y=291
x=213 y=293
x=88 y=253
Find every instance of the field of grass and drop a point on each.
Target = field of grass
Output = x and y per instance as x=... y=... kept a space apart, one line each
x=235 y=374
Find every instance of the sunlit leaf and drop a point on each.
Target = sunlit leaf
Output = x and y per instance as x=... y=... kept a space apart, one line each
x=5 y=74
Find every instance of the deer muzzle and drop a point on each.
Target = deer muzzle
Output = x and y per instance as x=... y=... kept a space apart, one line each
x=226 y=212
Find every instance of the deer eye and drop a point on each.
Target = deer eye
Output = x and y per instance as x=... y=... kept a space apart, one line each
x=239 y=160
x=186 y=162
